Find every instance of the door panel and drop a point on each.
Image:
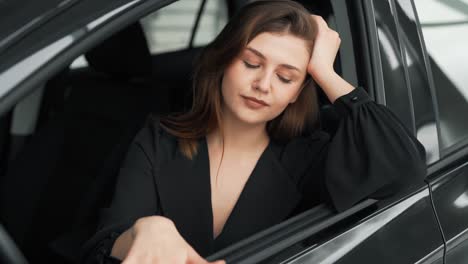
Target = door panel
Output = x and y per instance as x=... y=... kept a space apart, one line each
x=451 y=202
x=404 y=233
x=458 y=254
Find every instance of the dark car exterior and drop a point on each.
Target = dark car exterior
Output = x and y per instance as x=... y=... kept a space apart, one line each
x=390 y=47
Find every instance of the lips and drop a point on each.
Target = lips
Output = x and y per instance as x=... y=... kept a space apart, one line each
x=255 y=100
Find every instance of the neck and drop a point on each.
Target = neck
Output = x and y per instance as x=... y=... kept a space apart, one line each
x=240 y=135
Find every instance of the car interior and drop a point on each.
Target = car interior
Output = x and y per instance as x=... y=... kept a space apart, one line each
x=82 y=121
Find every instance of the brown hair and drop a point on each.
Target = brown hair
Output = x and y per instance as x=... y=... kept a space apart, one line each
x=280 y=16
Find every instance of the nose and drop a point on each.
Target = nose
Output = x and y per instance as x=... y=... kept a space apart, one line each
x=262 y=82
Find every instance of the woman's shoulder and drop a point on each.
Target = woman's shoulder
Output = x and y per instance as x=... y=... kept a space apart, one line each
x=152 y=134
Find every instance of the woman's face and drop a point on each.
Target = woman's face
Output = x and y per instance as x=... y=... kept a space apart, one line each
x=265 y=78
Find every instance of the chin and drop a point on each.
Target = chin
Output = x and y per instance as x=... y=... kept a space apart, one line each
x=252 y=118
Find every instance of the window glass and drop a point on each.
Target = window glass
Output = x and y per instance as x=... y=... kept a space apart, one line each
x=396 y=88
x=213 y=19
x=170 y=28
x=79 y=62
x=445 y=27
x=422 y=99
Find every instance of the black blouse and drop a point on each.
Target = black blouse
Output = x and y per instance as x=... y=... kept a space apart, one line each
x=372 y=155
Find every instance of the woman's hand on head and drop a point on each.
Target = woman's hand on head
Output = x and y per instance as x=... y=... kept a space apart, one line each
x=324 y=50
x=155 y=239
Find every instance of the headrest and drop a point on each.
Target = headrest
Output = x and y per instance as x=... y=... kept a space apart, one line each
x=125 y=54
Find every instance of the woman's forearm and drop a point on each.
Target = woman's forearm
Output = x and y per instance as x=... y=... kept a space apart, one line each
x=147 y=226
x=334 y=86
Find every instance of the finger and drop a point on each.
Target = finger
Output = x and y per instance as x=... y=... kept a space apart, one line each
x=320 y=20
x=316 y=16
x=322 y=28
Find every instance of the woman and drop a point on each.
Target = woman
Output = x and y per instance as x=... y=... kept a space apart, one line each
x=248 y=155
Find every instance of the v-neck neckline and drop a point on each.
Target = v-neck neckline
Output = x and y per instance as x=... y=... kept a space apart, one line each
x=242 y=193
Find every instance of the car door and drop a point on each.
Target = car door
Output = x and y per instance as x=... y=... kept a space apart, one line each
x=443 y=27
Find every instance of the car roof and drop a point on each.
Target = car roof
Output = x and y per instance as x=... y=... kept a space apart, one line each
x=21 y=14
x=27 y=26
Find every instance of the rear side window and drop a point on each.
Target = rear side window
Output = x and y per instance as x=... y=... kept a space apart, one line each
x=445 y=30
x=397 y=95
x=416 y=72
x=171 y=27
x=405 y=75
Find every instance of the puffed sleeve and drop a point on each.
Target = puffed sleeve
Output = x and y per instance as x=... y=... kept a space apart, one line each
x=134 y=197
x=371 y=155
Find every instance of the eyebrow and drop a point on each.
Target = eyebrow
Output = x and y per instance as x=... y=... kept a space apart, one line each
x=258 y=53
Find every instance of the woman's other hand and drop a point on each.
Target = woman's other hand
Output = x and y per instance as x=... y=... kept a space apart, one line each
x=155 y=239
x=324 y=50
x=320 y=67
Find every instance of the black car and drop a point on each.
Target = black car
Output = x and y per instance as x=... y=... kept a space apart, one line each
x=78 y=78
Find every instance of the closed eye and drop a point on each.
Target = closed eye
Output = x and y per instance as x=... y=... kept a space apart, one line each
x=284 y=79
x=251 y=66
